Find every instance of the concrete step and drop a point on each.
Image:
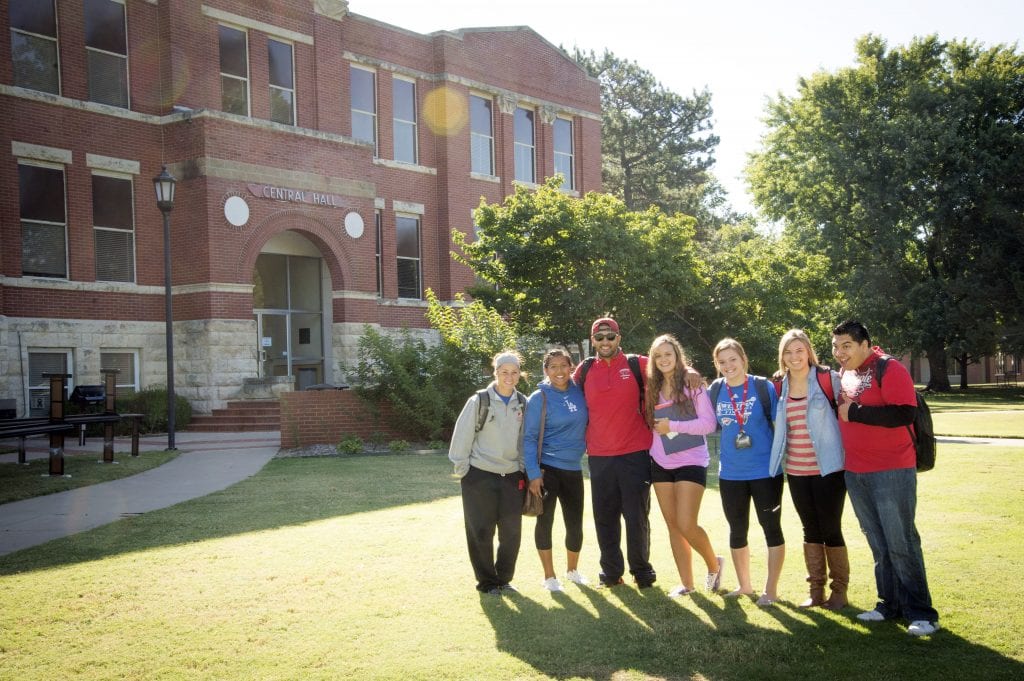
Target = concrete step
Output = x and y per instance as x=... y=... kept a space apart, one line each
x=240 y=415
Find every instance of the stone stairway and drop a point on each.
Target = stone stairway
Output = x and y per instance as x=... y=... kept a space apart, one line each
x=239 y=416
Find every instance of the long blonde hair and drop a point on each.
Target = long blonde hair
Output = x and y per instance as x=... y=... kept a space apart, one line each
x=656 y=379
x=796 y=335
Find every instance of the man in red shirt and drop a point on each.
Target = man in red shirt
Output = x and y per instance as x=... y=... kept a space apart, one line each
x=881 y=475
x=620 y=467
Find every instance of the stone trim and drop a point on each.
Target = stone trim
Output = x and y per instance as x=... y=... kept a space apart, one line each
x=401 y=165
x=38 y=152
x=246 y=22
x=117 y=165
x=408 y=207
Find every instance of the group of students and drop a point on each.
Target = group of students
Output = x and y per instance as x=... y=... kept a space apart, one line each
x=642 y=421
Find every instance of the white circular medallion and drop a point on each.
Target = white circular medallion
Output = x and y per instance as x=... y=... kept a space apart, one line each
x=236 y=211
x=354 y=225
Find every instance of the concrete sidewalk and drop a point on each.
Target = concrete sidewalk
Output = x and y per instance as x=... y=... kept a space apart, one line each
x=208 y=462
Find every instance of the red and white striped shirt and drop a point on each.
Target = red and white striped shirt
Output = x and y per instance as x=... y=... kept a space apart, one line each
x=800 y=457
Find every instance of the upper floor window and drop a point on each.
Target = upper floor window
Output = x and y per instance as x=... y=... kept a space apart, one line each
x=404 y=105
x=234 y=70
x=34 y=54
x=564 y=157
x=113 y=220
x=43 y=221
x=524 y=149
x=282 y=82
x=481 y=135
x=106 y=49
x=407 y=232
x=363 y=85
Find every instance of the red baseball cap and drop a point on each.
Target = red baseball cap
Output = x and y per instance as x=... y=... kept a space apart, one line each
x=604 y=321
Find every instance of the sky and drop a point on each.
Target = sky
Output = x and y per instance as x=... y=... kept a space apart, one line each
x=743 y=51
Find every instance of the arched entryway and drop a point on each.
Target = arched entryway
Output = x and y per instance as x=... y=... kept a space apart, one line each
x=290 y=289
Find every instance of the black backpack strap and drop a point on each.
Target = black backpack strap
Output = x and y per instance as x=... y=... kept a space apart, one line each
x=714 y=390
x=483 y=407
x=584 y=368
x=882 y=362
x=824 y=375
x=634 y=366
x=761 y=387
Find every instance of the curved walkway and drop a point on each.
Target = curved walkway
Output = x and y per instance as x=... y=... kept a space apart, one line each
x=209 y=462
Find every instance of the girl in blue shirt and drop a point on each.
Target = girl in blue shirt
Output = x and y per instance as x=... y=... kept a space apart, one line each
x=558 y=476
x=744 y=473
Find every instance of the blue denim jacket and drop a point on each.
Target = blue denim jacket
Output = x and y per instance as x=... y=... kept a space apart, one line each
x=821 y=423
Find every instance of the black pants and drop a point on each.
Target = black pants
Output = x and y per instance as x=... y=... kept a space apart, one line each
x=490 y=501
x=621 y=490
x=767 y=496
x=565 y=488
x=819 y=502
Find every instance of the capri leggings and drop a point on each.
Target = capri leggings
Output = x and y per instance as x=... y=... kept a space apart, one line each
x=565 y=487
x=767 y=496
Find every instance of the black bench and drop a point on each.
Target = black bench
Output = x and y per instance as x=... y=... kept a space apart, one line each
x=23 y=428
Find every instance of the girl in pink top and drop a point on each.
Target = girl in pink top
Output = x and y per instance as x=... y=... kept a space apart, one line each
x=679 y=419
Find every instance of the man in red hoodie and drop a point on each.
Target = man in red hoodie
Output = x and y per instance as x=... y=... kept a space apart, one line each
x=620 y=467
x=881 y=475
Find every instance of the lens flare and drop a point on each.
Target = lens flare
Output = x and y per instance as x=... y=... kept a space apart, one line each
x=445 y=111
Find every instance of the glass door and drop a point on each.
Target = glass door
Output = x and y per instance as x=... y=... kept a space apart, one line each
x=272 y=332
x=287 y=303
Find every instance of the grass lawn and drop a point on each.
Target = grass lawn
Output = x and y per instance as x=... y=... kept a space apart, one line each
x=1005 y=423
x=31 y=480
x=329 y=568
x=978 y=398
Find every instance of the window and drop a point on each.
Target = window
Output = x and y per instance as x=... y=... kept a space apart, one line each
x=34 y=45
x=408 y=238
x=564 y=159
x=380 y=270
x=114 y=227
x=234 y=71
x=364 y=105
x=40 y=363
x=127 y=364
x=282 y=82
x=43 y=221
x=481 y=135
x=106 y=49
x=525 y=171
x=404 y=104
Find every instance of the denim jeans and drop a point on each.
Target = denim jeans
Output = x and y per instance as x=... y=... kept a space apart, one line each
x=885 y=503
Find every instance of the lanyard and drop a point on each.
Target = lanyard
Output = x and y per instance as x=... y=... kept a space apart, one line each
x=737 y=410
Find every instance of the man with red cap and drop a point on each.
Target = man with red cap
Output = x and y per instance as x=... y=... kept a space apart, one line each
x=620 y=467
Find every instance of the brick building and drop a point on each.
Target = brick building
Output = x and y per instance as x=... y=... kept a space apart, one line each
x=322 y=160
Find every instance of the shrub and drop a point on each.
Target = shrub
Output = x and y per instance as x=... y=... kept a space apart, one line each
x=350 y=444
x=151 y=403
x=436 y=444
x=398 y=446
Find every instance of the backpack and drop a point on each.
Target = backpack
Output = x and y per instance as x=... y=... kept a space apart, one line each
x=483 y=406
x=760 y=386
x=634 y=366
x=922 y=433
x=824 y=375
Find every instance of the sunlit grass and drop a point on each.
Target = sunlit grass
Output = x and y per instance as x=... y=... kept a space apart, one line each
x=356 y=568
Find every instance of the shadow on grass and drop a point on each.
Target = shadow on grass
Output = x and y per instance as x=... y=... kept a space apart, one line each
x=708 y=637
x=287 y=491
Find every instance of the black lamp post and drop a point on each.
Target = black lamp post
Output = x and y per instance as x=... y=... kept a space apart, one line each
x=164 y=186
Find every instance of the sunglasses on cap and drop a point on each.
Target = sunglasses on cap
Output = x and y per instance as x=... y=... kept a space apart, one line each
x=605 y=336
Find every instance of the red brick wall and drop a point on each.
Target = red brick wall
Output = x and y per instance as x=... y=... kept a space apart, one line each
x=326 y=416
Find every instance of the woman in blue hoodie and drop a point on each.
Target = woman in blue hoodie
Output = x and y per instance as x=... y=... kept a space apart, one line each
x=558 y=475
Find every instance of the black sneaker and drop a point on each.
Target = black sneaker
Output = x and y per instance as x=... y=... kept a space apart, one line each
x=508 y=589
x=608 y=583
x=646 y=582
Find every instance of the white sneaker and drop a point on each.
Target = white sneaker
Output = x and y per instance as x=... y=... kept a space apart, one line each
x=575 y=577
x=679 y=591
x=713 y=581
x=552 y=584
x=922 y=628
x=873 y=616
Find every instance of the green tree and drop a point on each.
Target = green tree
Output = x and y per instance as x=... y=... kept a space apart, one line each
x=656 y=145
x=553 y=263
x=907 y=170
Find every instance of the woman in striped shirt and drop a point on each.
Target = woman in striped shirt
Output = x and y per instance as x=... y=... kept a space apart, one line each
x=808 y=447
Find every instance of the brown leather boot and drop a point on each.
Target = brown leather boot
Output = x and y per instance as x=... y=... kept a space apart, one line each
x=839 y=571
x=814 y=559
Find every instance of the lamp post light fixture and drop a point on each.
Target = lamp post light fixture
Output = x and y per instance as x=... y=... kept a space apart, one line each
x=164 y=185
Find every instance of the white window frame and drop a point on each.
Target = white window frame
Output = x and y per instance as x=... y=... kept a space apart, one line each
x=522 y=147
x=55 y=38
x=362 y=112
x=419 y=254
x=132 y=231
x=22 y=220
x=479 y=138
x=134 y=384
x=127 y=71
x=378 y=219
x=569 y=182
x=397 y=122
x=294 y=107
x=248 y=75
